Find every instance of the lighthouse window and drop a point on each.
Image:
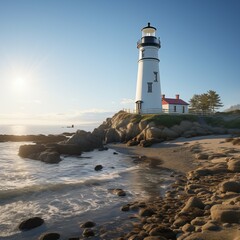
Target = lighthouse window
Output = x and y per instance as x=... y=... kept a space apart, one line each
x=143 y=50
x=149 y=87
x=156 y=76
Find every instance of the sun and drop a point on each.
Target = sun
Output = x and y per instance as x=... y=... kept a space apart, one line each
x=20 y=84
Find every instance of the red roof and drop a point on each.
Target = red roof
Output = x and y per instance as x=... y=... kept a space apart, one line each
x=173 y=101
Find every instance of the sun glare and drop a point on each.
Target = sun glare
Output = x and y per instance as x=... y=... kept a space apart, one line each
x=20 y=84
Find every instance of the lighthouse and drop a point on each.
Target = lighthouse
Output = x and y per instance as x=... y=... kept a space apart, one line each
x=148 y=90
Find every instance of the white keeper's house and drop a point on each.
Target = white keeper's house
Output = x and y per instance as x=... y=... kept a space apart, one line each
x=148 y=90
x=174 y=105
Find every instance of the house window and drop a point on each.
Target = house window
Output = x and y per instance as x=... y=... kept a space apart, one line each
x=149 y=87
x=174 y=108
x=183 y=109
x=156 y=76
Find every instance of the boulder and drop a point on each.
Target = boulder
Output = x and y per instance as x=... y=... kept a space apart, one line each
x=234 y=165
x=132 y=131
x=201 y=156
x=112 y=135
x=169 y=134
x=31 y=151
x=185 y=125
x=85 y=140
x=193 y=202
x=142 y=125
x=155 y=238
x=88 y=224
x=50 y=157
x=230 y=186
x=225 y=213
x=146 y=212
x=30 y=223
x=71 y=149
x=88 y=233
x=98 y=168
x=49 y=236
x=153 y=133
x=118 y=192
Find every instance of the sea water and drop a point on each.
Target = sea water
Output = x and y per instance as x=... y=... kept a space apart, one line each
x=70 y=192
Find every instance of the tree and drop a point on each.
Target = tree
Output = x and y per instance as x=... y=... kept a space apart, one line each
x=214 y=100
x=206 y=102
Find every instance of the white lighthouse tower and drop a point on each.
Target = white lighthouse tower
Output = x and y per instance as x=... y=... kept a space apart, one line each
x=148 y=91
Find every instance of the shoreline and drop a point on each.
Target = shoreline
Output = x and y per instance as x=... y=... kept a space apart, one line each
x=192 y=208
x=197 y=188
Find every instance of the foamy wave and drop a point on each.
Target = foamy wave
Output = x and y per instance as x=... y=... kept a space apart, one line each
x=37 y=188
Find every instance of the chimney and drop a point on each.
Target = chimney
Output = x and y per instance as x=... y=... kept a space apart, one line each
x=177 y=96
x=163 y=96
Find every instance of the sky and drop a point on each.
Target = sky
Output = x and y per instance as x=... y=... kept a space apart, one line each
x=75 y=61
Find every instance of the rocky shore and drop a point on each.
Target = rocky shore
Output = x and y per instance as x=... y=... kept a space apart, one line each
x=203 y=204
x=204 y=201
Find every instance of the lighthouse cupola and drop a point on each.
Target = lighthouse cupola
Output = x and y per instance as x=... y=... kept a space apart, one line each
x=148 y=90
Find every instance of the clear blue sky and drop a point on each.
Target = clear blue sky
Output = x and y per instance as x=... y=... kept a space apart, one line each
x=76 y=61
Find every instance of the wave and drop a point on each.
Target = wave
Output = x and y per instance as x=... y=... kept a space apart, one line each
x=91 y=181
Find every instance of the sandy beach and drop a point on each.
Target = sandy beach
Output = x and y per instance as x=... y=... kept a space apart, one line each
x=202 y=168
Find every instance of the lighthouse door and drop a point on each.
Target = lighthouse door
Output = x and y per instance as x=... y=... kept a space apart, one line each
x=138 y=106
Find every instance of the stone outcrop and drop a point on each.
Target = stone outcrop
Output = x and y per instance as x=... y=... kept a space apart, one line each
x=132 y=129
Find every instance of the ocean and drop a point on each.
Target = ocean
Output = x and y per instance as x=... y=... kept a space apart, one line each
x=71 y=192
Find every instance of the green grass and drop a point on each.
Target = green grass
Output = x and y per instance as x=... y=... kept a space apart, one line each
x=217 y=121
x=164 y=120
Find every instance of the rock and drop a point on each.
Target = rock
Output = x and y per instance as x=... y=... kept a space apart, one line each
x=230 y=186
x=88 y=224
x=153 y=133
x=49 y=236
x=149 y=142
x=103 y=149
x=169 y=134
x=198 y=221
x=88 y=233
x=193 y=202
x=146 y=212
x=98 y=168
x=112 y=135
x=118 y=191
x=31 y=151
x=50 y=157
x=234 y=165
x=155 y=238
x=201 y=156
x=132 y=142
x=209 y=226
x=71 y=149
x=85 y=140
x=30 y=223
x=125 y=208
x=163 y=231
x=225 y=213
x=188 y=228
